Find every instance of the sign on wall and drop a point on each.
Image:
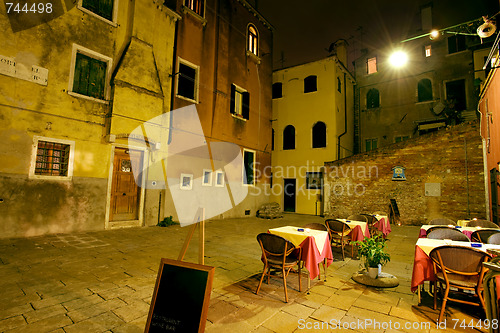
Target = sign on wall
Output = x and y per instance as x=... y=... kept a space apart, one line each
x=398 y=173
x=35 y=74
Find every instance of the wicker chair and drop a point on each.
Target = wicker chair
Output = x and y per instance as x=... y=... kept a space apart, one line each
x=458 y=267
x=358 y=217
x=448 y=233
x=482 y=224
x=277 y=252
x=442 y=221
x=428 y=231
x=379 y=212
x=483 y=235
x=340 y=234
x=494 y=239
x=372 y=223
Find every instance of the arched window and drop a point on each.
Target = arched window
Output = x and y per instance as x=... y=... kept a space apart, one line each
x=289 y=138
x=424 y=90
x=372 y=99
x=272 y=139
x=319 y=135
x=253 y=39
x=310 y=84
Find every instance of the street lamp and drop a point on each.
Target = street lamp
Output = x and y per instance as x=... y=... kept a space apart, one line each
x=398 y=59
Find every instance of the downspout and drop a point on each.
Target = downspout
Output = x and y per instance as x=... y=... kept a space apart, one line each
x=216 y=67
x=345 y=118
x=172 y=90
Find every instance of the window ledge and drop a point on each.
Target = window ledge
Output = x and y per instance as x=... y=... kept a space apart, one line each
x=85 y=10
x=254 y=57
x=187 y=99
x=74 y=94
x=239 y=117
x=202 y=20
x=54 y=178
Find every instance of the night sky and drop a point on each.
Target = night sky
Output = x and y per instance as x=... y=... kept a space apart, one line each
x=305 y=29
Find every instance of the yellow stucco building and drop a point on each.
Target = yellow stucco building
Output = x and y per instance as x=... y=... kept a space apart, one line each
x=312 y=124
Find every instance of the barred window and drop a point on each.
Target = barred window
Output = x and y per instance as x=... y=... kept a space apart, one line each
x=52 y=159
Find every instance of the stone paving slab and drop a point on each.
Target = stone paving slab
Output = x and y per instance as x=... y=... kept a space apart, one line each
x=103 y=281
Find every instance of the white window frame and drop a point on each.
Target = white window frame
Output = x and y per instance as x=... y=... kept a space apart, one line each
x=428 y=50
x=256 y=44
x=181 y=184
x=115 y=13
x=243 y=174
x=109 y=61
x=196 y=83
x=217 y=184
x=238 y=106
x=34 y=151
x=209 y=172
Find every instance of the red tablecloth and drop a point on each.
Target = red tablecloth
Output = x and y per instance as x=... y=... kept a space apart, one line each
x=312 y=257
x=357 y=233
x=383 y=225
x=422 y=269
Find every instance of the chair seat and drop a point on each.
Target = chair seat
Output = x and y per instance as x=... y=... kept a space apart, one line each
x=278 y=260
x=459 y=280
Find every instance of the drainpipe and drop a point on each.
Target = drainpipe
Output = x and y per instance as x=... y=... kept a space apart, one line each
x=172 y=90
x=345 y=118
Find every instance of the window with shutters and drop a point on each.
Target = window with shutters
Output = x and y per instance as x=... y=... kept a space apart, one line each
x=187 y=80
x=240 y=102
x=101 y=8
x=89 y=74
x=197 y=6
x=52 y=158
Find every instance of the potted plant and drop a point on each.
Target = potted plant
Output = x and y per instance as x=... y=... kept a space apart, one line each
x=372 y=250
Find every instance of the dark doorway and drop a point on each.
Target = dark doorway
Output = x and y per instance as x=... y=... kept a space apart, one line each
x=289 y=191
x=494 y=194
x=455 y=93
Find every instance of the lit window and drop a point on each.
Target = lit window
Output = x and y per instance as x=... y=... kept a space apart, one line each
x=240 y=102
x=277 y=90
x=187 y=80
x=52 y=158
x=289 y=138
x=424 y=90
x=103 y=8
x=428 y=50
x=197 y=6
x=370 y=144
x=371 y=65
x=253 y=40
x=248 y=167
x=372 y=99
x=89 y=74
x=310 y=84
x=319 y=135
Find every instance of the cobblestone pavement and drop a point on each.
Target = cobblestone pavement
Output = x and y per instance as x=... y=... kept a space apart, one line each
x=103 y=282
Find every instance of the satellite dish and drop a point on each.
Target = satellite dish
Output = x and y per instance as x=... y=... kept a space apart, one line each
x=486 y=29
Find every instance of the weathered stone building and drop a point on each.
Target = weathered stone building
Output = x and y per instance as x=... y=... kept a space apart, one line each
x=76 y=83
x=443 y=176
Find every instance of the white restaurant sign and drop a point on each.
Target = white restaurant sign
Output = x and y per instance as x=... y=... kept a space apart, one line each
x=36 y=74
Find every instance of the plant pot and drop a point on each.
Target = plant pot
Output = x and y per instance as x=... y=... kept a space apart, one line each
x=373 y=272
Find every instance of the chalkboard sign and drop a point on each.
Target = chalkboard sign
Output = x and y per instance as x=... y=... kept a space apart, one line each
x=181 y=297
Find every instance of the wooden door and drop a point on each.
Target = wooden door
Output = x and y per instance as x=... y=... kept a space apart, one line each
x=494 y=195
x=125 y=194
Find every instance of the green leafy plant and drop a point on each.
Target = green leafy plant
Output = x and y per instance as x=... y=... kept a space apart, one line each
x=167 y=221
x=372 y=250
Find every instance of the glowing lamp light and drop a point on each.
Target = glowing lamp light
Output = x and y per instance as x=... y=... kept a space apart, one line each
x=398 y=59
x=434 y=34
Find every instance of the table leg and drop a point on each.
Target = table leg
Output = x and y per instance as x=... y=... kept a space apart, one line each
x=418 y=293
x=308 y=282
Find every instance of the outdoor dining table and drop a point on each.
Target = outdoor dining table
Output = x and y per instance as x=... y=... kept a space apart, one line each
x=315 y=245
x=422 y=264
x=383 y=224
x=359 y=229
x=467 y=231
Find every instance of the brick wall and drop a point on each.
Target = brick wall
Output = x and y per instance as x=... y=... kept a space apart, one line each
x=363 y=182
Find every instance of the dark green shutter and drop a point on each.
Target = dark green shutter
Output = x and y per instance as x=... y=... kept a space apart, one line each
x=106 y=9
x=245 y=110
x=97 y=78
x=233 y=98
x=81 y=76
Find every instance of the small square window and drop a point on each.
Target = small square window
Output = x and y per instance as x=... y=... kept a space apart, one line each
x=371 y=65
x=186 y=181
x=52 y=158
x=310 y=84
x=277 y=90
x=314 y=180
x=219 y=178
x=207 y=178
x=187 y=80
